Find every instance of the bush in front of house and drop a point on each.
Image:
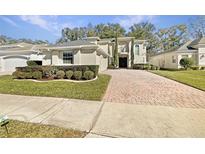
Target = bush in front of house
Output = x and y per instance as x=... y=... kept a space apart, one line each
x=111 y=66
x=19 y=75
x=202 y=68
x=69 y=74
x=31 y=63
x=52 y=72
x=77 y=75
x=142 y=66
x=195 y=67
x=60 y=74
x=186 y=62
x=153 y=67
x=88 y=75
x=28 y=75
x=37 y=75
x=16 y=74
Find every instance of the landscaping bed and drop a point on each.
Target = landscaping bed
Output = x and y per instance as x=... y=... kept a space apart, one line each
x=74 y=72
x=19 y=129
x=194 y=78
x=93 y=90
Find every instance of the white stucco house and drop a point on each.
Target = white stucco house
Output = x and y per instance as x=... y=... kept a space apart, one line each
x=90 y=51
x=171 y=59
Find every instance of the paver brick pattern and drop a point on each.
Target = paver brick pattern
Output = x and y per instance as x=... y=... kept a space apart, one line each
x=144 y=88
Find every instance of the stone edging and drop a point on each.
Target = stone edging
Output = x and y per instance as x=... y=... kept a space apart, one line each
x=67 y=80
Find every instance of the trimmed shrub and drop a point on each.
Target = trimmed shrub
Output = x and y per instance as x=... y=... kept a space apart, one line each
x=141 y=66
x=69 y=74
x=111 y=66
x=37 y=75
x=21 y=75
x=202 y=68
x=28 y=75
x=146 y=67
x=47 y=71
x=186 y=62
x=153 y=67
x=51 y=71
x=15 y=74
x=137 y=66
x=77 y=75
x=88 y=75
x=60 y=74
x=195 y=67
x=31 y=63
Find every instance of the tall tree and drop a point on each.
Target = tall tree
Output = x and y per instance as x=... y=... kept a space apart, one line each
x=197 y=27
x=172 y=37
x=109 y=30
x=145 y=31
x=90 y=30
x=116 y=57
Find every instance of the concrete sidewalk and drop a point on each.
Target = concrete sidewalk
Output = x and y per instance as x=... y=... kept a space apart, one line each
x=68 y=113
x=106 y=119
x=128 y=120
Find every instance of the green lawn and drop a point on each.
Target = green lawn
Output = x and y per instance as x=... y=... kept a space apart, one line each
x=193 y=78
x=18 y=129
x=93 y=90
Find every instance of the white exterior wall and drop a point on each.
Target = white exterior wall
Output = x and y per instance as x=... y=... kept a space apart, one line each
x=141 y=58
x=201 y=57
x=102 y=62
x=55 y=58
x=47 y=58
x=165 y=60
x=1 y=64
x=88 y=58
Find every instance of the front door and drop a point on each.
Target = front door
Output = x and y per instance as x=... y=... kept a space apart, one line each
x=123 y=62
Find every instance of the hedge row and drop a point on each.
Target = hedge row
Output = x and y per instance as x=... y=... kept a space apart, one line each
x=54 y=69
x=145 y=67
x=197 y=67
x=76 y=72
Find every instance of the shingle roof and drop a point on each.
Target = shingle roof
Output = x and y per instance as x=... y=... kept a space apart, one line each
x=73 y=43
x=195 y=43
x=183 y=48
x=16 y=49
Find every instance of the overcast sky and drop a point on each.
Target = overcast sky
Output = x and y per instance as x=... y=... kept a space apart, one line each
x=49 y=27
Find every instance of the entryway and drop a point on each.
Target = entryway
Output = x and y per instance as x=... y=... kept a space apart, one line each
x=123 y=62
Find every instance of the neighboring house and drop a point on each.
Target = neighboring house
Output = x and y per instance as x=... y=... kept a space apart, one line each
x=15 y=55
x=171 y=59
x=90 y=51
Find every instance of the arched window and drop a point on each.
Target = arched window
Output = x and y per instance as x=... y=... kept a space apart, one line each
x=137 y=49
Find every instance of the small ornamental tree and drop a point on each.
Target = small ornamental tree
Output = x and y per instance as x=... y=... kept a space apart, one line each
x=116 y=57
x=132 y=52
x=186 y=62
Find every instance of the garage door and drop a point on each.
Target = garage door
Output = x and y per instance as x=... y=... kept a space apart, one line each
x=11 y=62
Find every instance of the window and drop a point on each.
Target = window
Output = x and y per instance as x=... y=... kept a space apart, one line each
x=67 y=58
x=173 y=59
x=137 y=49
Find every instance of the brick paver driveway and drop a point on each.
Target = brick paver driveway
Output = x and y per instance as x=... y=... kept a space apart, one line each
x=142 y=87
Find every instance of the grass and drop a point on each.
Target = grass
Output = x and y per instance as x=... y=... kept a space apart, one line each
x=18 y=129
x=93 y=90
x=194 y=78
